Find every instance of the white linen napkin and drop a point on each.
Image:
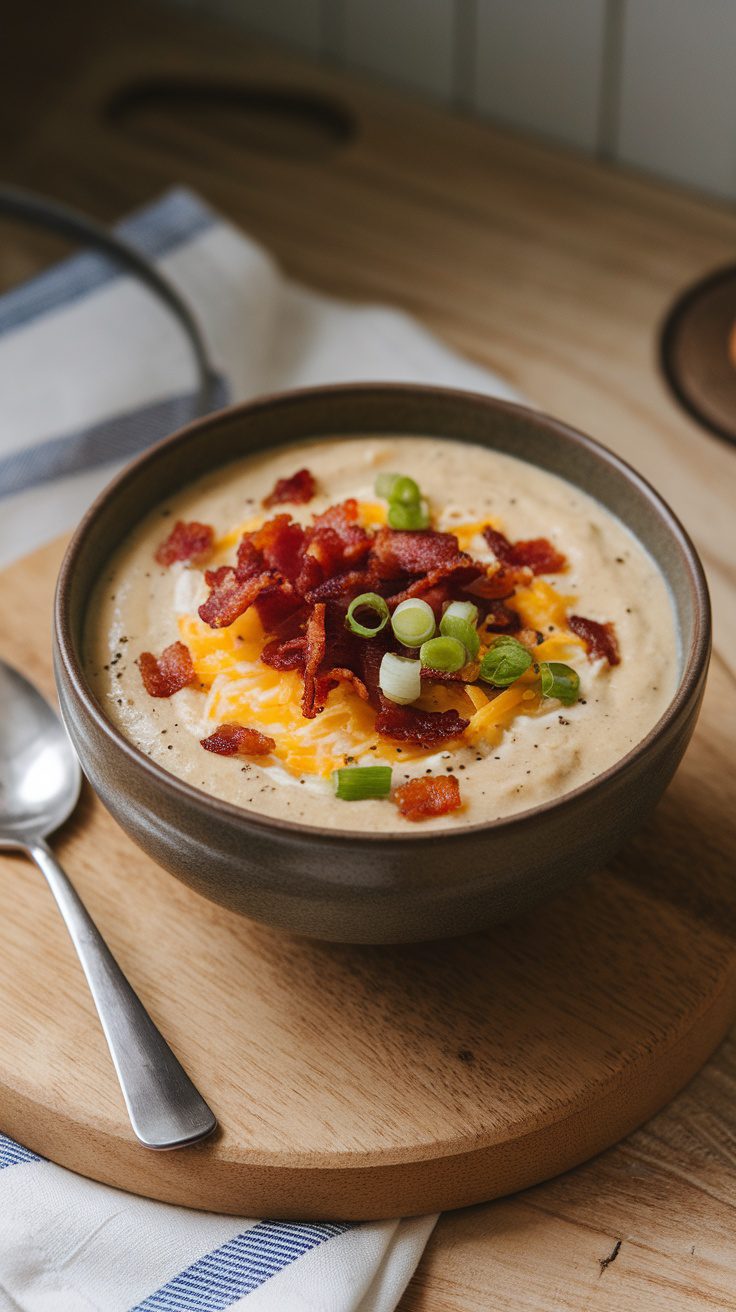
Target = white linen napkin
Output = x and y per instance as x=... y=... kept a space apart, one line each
x=92 y=370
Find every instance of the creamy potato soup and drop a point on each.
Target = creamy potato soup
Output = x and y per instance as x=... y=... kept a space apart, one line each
x=409 y=633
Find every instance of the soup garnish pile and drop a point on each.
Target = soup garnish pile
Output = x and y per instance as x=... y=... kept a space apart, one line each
x=371 y=617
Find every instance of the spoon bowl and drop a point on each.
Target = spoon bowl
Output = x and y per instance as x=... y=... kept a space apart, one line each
x=40 y=777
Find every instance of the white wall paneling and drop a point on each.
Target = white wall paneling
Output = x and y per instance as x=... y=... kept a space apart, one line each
x=298 y=22
x=650 y=83
x=411 y=42
x=539 y=66
x=677 y=112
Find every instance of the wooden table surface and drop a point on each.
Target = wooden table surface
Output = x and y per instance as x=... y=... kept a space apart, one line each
x=544 y=266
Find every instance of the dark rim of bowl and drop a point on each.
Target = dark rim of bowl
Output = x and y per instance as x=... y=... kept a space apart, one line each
x=695 y=660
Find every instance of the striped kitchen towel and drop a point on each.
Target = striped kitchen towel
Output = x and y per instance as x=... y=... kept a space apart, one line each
x=70 y=1245
x=93 y=369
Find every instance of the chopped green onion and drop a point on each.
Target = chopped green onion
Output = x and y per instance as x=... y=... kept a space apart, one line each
x=398 y=487
x=355 y=782
x=385 y=485
x=413 y=622
x=399 y=678
x=505 y=661
x=405 y=491
x=444 y=654
x=463 y=610
x=408 y=518
x=560 y=681
x=367 y=601
x=454 y=625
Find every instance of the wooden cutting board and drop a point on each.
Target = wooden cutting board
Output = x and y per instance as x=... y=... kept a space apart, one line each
x=362 y=1082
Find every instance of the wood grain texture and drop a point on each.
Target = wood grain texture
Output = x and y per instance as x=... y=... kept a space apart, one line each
x=557 y=273
x=366 y=1082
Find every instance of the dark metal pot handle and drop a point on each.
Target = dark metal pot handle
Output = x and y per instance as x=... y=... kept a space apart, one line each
x=17 y=203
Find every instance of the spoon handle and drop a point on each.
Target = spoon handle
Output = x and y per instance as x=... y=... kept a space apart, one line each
x=165 y=1109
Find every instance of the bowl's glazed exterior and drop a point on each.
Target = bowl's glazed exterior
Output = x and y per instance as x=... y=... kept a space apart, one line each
x=367 y=887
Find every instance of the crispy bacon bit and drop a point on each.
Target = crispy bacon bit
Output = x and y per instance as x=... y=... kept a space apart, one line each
x=234 y=739
x=316 y=645
x=500 y=583
x=214 y=576
x=370 y=656
x=276 y=604
x=249 y=560
x=231 y=595
x=186 y=542
x=336 y=550
x=166 y=674
x=468 y=674
x=428 y=796
x=285 y=654
x=502 y=619
x=310 y=575
x=342 y=516
x=499 y=544
x=460 y=571
x=340 y=588
x=600 y=639
x=279 y=543
x=395 y=553
x=299 y=489
x=335 y=676
x=538 y=554
x=427 y=728
x=336 y=540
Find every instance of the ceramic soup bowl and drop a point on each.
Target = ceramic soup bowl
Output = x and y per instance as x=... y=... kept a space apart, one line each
x=345 y=884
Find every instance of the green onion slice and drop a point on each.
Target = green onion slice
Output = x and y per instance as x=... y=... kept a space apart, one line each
x=399 y=678
x=560 y=681
x=454 y=625
x=355 y=782
x=378 y=610
x=505 y=661
x=398 y=487
x=413 y=622
x=385 y=485
x=405 y=491
x=444 y=654
x=408 y=518
x=463 y=610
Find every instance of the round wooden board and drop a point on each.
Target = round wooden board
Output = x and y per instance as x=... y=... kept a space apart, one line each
x=698 y=351
x=361 y=1082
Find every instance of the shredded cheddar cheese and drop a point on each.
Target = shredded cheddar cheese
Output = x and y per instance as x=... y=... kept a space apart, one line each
x=372 y=514
x=540 y=605
x=231 y=539
x=243 y=690
x=467 y=533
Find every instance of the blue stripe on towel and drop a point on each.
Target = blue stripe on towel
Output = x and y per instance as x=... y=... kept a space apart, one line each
x=221 y=1277
x=12 y=1154
x=155 y=231
x=117 y=438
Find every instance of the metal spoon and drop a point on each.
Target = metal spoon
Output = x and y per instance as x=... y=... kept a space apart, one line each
x=39 y=787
